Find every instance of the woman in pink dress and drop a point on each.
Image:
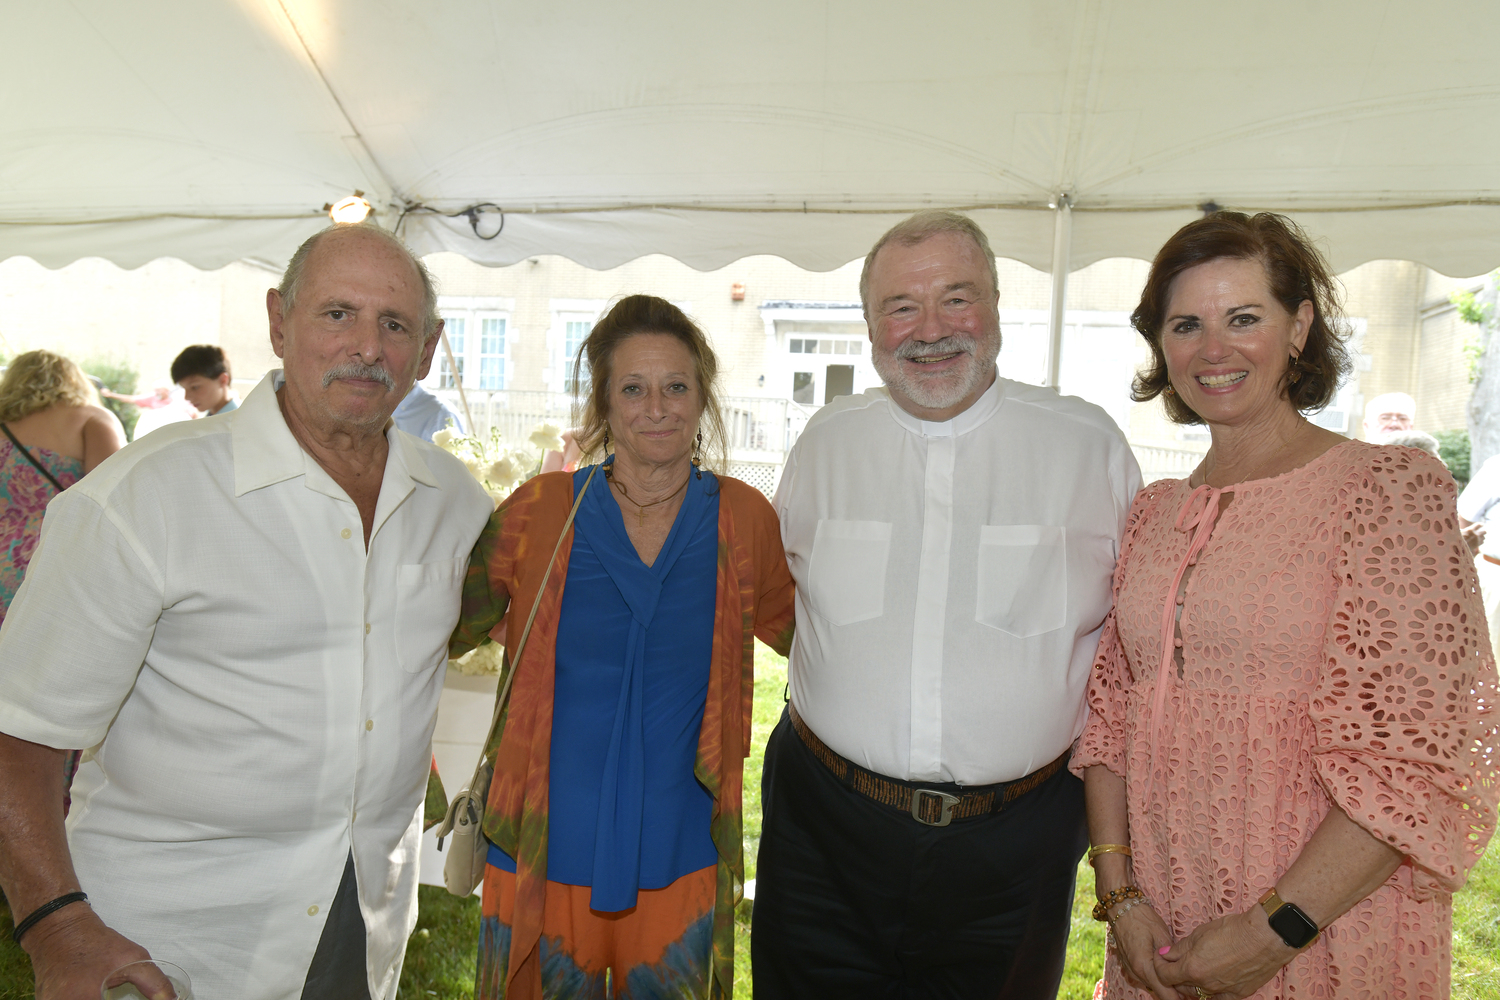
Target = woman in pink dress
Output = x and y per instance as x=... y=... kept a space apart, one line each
x=1291 y=758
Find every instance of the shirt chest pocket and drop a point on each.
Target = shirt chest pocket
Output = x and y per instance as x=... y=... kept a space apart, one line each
x=1023 y=578
x=427 y=606
x=847 y=573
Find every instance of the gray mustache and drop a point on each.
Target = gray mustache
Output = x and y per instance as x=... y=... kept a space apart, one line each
x=353 y=370
x=948 y=345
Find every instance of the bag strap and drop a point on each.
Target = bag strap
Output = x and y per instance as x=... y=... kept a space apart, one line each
x=504 y=693
x=32 y=459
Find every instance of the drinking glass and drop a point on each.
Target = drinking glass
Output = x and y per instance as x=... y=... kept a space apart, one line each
x=149 y=980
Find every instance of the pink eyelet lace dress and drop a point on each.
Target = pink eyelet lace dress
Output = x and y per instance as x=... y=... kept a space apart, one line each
x=1333 y=650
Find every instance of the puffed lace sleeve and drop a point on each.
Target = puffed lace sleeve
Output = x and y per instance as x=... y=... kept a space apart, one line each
x=1405 y=708
x=1104 y=740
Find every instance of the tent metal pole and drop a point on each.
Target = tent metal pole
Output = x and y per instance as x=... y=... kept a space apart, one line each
x=1062 y=239
x=458 y=383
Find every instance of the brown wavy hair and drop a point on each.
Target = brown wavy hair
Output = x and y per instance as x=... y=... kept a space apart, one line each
x=593 y=369
x=1296 y=272
x=37 y=380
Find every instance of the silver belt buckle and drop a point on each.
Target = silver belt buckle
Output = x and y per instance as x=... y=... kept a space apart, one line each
x=949 y=801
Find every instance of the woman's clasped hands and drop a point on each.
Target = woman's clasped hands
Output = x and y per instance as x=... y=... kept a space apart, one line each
x=1229 y=957
x=1140 y=935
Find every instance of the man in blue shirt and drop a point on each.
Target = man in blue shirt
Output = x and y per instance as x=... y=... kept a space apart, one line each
x=422 y=414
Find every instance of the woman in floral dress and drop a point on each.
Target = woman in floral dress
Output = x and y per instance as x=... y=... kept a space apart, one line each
x=55 y=431
x=1291 y=756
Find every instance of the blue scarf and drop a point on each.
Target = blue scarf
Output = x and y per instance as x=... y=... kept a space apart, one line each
x=617 y=844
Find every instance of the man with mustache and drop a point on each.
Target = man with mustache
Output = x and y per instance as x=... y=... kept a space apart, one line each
x=952 y=537
x=246 y=618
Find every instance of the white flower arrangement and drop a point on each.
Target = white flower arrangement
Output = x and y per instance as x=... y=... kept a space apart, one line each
x=499 y=469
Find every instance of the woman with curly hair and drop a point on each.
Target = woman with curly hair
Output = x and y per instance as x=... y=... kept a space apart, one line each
x=55 y=431
x=1290 y=762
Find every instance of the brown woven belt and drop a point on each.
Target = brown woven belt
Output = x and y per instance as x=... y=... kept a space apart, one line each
x=925 y=805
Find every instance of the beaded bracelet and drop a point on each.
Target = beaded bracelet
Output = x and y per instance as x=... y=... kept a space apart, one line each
x=1125 y=908
x=1114 y=896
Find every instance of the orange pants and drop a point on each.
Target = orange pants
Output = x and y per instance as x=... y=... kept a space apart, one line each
x=661 y=947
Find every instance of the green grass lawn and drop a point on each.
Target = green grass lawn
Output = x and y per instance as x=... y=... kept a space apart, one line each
x=440 y=955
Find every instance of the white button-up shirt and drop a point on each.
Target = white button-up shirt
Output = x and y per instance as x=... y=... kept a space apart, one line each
x=262 y=690
x=952 y=578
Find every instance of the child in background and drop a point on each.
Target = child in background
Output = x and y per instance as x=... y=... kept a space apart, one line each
x=203 y=372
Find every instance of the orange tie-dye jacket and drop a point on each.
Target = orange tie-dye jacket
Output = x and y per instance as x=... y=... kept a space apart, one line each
x=755 y=593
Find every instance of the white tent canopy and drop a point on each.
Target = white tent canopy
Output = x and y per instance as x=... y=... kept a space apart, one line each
x=212 y=130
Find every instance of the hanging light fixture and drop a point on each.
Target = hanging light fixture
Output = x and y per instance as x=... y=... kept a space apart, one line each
x=353 y=209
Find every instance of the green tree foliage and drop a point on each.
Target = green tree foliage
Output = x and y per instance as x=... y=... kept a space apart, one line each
x=121 y=377
x=1453 y=449
x=1475 y=312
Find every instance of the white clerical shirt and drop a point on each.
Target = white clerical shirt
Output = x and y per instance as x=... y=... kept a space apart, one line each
x=262 y=689
x=952 y=578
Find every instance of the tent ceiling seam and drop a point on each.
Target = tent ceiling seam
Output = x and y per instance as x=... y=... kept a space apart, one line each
x=1080 y=89
x=355 y=134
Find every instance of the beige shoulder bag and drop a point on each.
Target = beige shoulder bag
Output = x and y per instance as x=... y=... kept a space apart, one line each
x=463 y=869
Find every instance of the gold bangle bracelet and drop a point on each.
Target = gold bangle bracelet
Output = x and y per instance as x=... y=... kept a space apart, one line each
x=1099 y=849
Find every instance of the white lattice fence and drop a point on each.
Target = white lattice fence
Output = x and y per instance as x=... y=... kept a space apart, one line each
x=762 y=475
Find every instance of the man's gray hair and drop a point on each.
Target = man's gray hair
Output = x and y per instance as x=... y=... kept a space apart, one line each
x=923 y=226
x=291 y=279
x=1420 y=440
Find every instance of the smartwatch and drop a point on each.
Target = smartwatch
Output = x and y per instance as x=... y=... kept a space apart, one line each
x=1294 y=927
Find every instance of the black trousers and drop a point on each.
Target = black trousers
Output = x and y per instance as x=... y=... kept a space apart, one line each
x=338 y=967
x=856 y=900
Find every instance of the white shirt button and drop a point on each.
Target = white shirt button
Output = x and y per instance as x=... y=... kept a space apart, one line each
x=369 y=724
x=312 y=911
x=367 y=628
x=345 y=533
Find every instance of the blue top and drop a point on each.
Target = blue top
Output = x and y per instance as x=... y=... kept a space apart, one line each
x=422 y=414
x=625 y=811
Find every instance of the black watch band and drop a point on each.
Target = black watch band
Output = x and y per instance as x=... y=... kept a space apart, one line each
x=1293 y=926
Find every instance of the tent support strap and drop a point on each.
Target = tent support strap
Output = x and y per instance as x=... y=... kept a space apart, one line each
x=1062 y=239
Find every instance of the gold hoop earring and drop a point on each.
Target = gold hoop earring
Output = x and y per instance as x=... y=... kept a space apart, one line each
x=697 y=458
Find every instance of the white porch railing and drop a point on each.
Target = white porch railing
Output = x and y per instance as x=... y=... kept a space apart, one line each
x=761 y=431
x=1161 y=462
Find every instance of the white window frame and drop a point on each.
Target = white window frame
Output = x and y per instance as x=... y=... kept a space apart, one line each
x=782 y=364
x=565 y=311
x=473 y=310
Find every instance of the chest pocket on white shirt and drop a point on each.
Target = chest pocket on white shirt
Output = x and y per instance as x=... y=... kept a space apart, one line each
x=847 y=573
x=427 y=606
x=1023 y=578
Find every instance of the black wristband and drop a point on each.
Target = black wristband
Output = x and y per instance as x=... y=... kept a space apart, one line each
x=46 y=910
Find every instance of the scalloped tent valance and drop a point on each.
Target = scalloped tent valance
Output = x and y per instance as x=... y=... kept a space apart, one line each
x=212 y=130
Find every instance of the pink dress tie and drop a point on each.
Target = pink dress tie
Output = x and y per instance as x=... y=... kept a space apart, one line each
x=1200 y=521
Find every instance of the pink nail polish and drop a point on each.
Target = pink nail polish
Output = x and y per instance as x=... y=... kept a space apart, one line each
x=1164 y=949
